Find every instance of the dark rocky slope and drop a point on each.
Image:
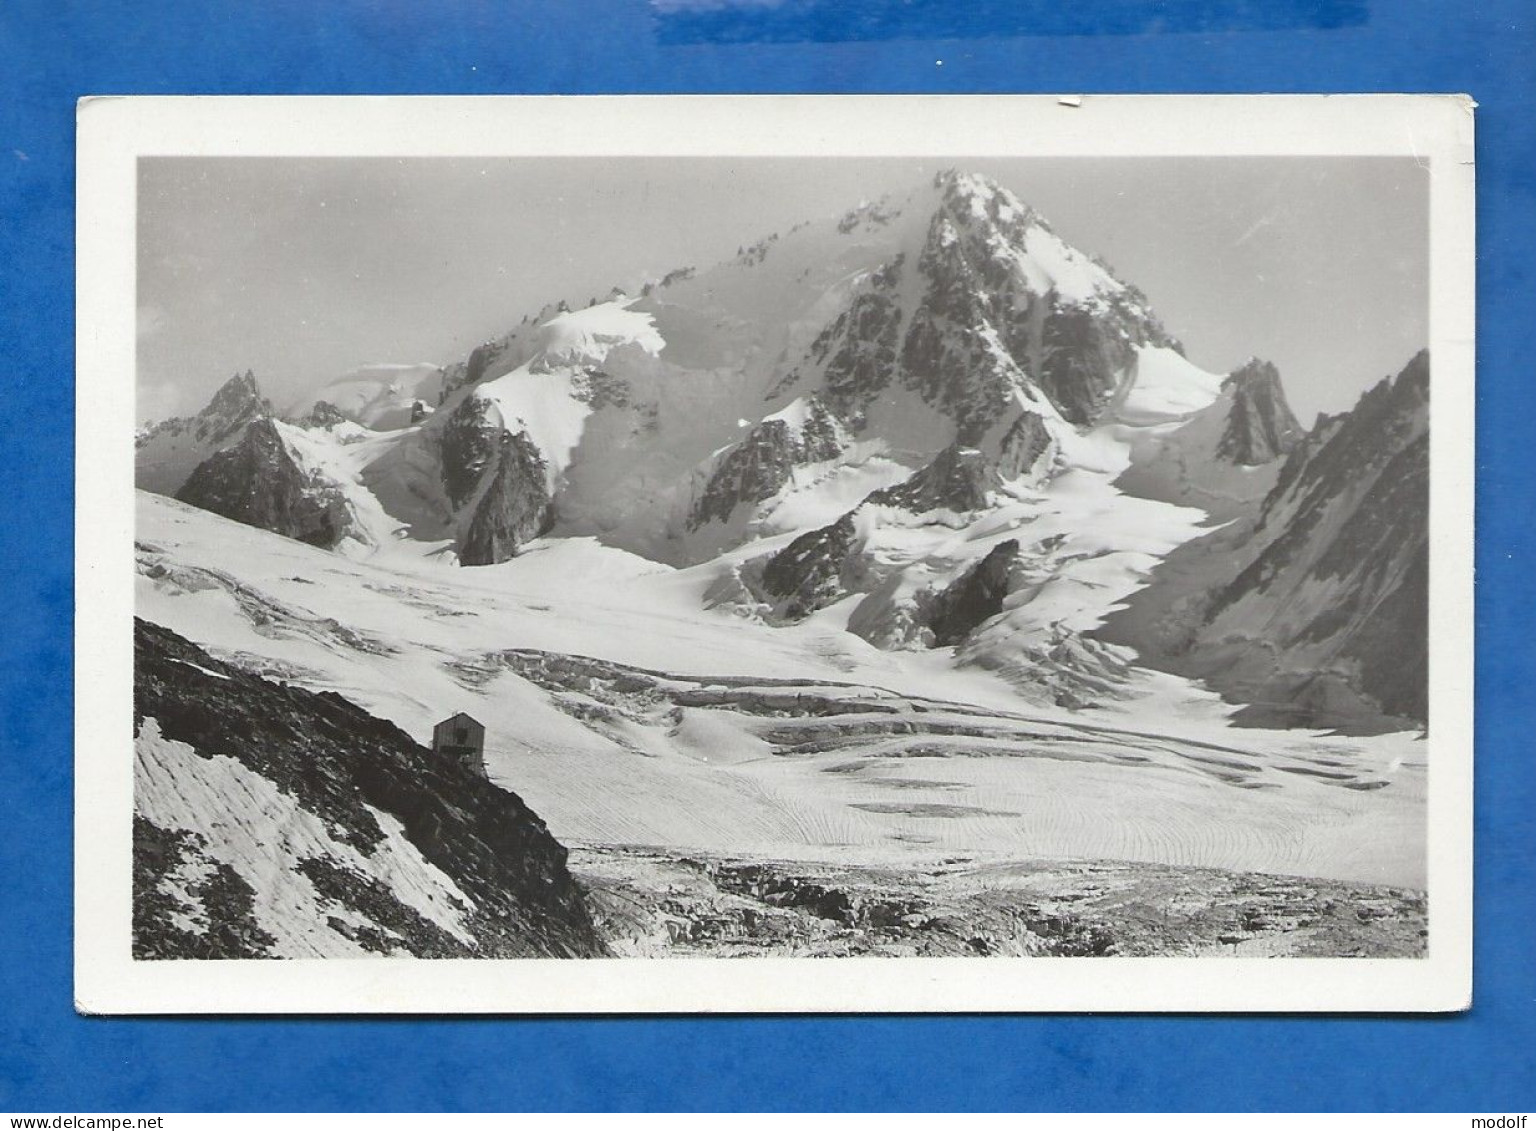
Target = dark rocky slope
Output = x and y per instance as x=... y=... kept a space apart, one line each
x=258 y=482
x=515 y=507
x=466 y=448
x=976 y=597
x=167 y=453
x=822 y=566
x=1314 y=612
x=959 y=479
x=1260 y=425
x=322 y=415
x=761 y=464
x=496 y=480
x=336 y=761
x=979 y=331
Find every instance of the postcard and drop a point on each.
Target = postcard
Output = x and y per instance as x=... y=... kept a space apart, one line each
x=774 y=554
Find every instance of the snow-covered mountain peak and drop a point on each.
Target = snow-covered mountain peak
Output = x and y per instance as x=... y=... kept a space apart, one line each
x=773 y=392
x=586 y=337
x=237 y=397
x=1003 y=236
x=165 y=454
x=378 y=395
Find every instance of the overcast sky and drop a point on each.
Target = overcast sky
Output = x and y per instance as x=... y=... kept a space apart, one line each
x=304 y=269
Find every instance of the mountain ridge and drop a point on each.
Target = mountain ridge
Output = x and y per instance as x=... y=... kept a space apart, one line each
x=844 y=424
x=1313 y=610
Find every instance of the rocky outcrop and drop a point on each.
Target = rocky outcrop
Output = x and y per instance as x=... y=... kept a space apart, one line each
x=323 y=415
x=1082 y=358
x=959 y=479
x=467 y=445
x=1314 y=612
x=986 y=327
x=822 y=566
x=238 y=399
x=1026 y=449
x=1260 y=425
x=950 y=354
x=260 y=483
x=898 y=616
x=977 y=596
x=809 y=573
x=1223 y=458
x=489 y=881
x=762 y=463
x=858 y=349
x=166 y=454
x=514 y=508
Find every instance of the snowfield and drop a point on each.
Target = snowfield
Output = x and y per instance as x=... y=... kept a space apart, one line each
x=1157 y=776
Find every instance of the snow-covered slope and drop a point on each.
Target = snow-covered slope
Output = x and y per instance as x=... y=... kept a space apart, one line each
x=1217 y=448
x=624 y=712
x=380 y=397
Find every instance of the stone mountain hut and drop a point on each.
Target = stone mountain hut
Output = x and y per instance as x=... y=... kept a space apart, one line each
x=462 y=738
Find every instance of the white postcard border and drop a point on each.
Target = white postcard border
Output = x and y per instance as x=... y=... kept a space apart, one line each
x=115 y=132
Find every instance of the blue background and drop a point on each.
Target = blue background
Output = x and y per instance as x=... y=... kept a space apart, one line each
x=52 y=51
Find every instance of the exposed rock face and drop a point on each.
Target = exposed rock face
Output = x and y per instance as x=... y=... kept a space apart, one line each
x=468 y=444
x=1314 y=611
x=858 y=348
x=975 y=598
x=600 y=389
x=808 y=573
x=983 y=324
x=1081 y=360
x=165 y=455
x=239 y=398
x=260 y=483
x=497 y=480
x=489 y=880
x=514 y=508
x=1260 y=425
x=478 y=361
x=822 y=566
x=959 y=479
x=1223 y=458
x=1026 y=448
x=760 y=465
x=323 y=415
x=986 y=324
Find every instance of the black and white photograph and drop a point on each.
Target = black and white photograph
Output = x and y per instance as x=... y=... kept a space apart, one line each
x=956 y=544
